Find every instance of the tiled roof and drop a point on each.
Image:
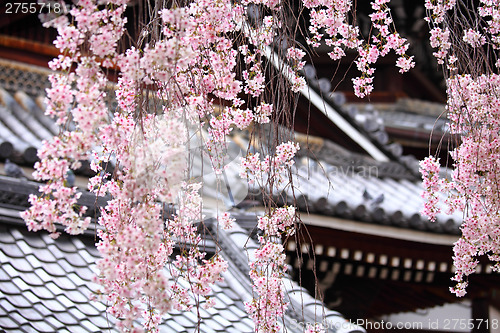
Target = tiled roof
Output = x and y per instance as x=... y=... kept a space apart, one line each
x=23 y=125
x=360 y=194
x=43 y=281
x=330 y=181
x=367 y=124
x=45 y=285
x=415 y=116
x=341 y=176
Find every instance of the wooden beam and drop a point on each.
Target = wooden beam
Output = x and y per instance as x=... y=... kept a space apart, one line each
x=28 y=46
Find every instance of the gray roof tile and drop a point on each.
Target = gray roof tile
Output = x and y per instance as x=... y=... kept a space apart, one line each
x=57 y=324
x=64 y=330
x=27 y=249
x=75 y=296
x=102 y=321
x=34 y=262
x=229 y=315
x=247 y=321
x=77 y=313
x=242 y=327
x=44 y=255
x=54 y=305
x=20 y=283
x=66 y=246
x=42 y=292
x=89 y=259
x=174 y=325
x=10 y=270
x=27 y=329
x=213 y=324
x=184 y=322
x=231 y=294
x=237 y=311
x=76 y=260
x=21 y=265
x=54 y=269
x=31 y=297
x=7 y=322
x=77 y=280
x=68 y=267
x=18 y=300
x=207 y=329
x=9 y=288
x=55 y=251
x=66 y=302
x=6 y=237
x=6 y=306
x=33 y=242
x=88 y=309
x=31 y=314
x=42 y=326
x=221 y=320
x=40 y=307
x=90 y=326
x=17 y=317
x=3 y=275
x=98 y=305
x=232 y=330
x=12 y=250
x=64 y=283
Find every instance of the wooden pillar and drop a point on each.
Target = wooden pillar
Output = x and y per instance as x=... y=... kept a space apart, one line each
x=480 y=313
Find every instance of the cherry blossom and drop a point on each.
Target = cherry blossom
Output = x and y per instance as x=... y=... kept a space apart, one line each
x=472 y=110
x=200 y=71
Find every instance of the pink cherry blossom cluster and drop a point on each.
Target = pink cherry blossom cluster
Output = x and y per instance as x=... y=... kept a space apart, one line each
x=443 y=20
x=136 y=246
x=294 y=57
x=262 y=113
x=474 y=114
x=226 y=221
x=76 y=97
x=429 y=168
x=440 y=39
x=268 y=306
x=256 y=170
x=253 y=75
x=148 y=153
x=181 y=79
x=474 y=38
x=281 y=222
x=490 y=10
x=331 y=18
x=266 y=271
x=473 y=110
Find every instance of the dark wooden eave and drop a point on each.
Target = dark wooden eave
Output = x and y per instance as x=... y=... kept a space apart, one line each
x=26 y=51
x=367 y=276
